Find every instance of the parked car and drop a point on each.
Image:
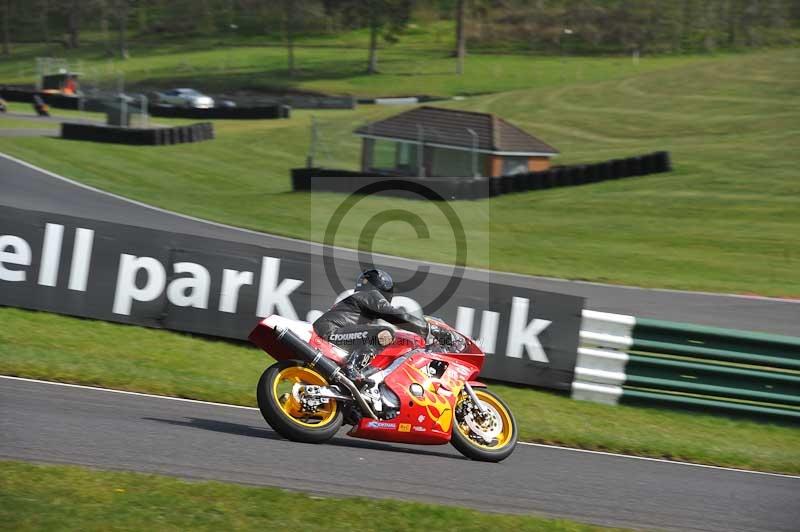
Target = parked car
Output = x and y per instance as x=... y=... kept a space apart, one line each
x=185 y=98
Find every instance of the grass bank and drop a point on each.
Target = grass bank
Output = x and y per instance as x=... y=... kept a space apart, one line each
x=44 y=497
x=725 y=220
x=161 y=362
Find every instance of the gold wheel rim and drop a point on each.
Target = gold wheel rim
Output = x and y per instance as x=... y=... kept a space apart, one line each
x=504 y=438
x=281 y=392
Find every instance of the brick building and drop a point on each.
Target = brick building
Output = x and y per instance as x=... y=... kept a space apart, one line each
x=437 y=142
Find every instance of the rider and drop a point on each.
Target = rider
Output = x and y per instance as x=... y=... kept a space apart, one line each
x=352 y=321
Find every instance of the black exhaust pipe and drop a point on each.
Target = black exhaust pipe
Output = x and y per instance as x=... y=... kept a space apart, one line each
x=326 y=367
x=315 y=359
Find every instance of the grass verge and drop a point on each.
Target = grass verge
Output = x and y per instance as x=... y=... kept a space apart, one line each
x=47 y=346
x=45 y=497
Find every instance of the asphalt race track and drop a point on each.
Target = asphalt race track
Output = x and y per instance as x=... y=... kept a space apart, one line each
x=26 y=187
x=62 y=424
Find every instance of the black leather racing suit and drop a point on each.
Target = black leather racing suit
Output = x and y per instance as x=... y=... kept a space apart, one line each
x=354 y=317
x=363 y=308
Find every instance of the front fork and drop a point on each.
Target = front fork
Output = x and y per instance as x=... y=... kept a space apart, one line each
x=474 y=398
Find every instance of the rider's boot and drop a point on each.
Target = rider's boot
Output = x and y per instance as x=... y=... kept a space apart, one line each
x=357 y=360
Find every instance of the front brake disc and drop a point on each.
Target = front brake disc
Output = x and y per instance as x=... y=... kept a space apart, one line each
x=487 y=430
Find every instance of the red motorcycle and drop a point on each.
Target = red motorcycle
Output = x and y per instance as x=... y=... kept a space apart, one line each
x=416 y=390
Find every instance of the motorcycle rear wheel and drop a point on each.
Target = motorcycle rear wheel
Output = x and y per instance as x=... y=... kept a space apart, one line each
x=284 y=413
x=470 y=445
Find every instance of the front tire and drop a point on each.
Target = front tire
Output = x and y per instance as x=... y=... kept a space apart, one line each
x=501 y=426
x=285 y=415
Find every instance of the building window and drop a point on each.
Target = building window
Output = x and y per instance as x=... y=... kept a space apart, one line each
x=457 y=163
x=406 y=156
x=515 y=165
x=383 y=154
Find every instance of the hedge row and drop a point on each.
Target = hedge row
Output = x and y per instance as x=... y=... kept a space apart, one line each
x=348 y=182
x=161 y=136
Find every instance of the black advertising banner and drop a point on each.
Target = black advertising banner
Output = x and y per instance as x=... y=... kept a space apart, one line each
x=189 y=283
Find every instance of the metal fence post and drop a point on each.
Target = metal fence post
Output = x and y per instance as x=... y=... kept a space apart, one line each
x=144 y=102
x=474 y=152
x=420 y=151
x=312 y=149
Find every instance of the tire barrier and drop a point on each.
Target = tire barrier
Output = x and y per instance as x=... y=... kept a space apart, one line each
x=632 y=360
x=222 y=113
x=140 y=137
x=460 y=188
x=403 y=100
x=349 y=182
x=61 y=101
x=296 y=101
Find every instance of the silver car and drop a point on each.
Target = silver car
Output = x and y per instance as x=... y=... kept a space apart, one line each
x=185 y=98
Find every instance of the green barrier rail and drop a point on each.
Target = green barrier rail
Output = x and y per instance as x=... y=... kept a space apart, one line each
x=712 y=368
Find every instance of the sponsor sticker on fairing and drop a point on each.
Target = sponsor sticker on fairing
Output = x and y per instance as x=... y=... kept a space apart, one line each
x=417 y=428
x=404 y=427
x=381 y=425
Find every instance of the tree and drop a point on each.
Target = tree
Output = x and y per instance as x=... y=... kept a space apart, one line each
x=104 y=16
x=709 y=20
x=289 y=15
x=374 y=26
x=44 y=14
x=383 y=18
x=73 y=23
x=6 y=30
x=461 y=41
x=122 y=20
x=387 y=18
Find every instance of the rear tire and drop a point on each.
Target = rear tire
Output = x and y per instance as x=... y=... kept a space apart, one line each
x=279 y=414
x=506 y=441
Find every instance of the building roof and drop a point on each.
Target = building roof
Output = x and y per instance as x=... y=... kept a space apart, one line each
x=450 y=127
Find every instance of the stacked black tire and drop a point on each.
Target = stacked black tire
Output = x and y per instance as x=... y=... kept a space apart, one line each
x=161 y=136
x=458 y=188
x=262 y=112
x=62 y=101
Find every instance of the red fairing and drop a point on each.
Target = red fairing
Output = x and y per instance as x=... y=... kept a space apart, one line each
x=426 y=419
x=427 y=400
x=264 y=336
x=404 y=341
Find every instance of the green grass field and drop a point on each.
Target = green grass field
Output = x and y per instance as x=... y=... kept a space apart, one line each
x=46 y=497
x=64 y=115
x=21 y=123
x=419 y=64
x=161 y=362
x=727 y=219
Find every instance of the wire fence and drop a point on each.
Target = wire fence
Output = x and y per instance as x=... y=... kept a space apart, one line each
x=333 y=144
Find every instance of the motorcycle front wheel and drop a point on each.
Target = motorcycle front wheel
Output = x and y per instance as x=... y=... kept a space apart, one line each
x=490 y=438
x=285 y=414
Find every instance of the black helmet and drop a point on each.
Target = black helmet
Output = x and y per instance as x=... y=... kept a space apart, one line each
x=376 y=280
